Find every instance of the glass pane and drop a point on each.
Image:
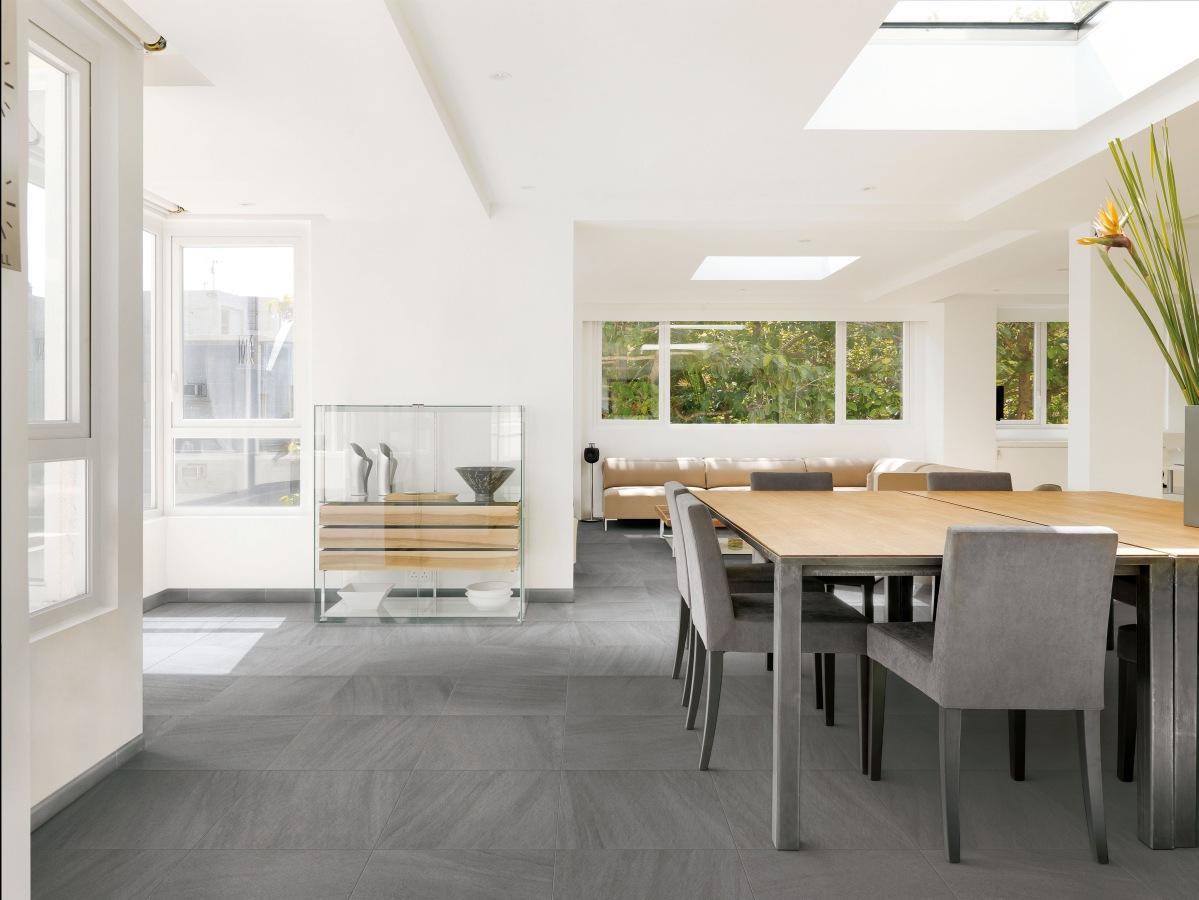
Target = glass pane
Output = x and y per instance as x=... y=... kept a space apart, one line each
x=238 y=317
x=57 y=532
x=743 y=372
x=1057 y=373
x=1061 y=12
x=629 y=367
x=48 y=212
x=149 y=296
x=1014 y=356
x=257 y=472
x=874 y=370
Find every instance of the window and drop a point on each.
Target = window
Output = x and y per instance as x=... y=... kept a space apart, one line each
x=629 y=370
x=744 y=373
x=235 y=432
x=238 y=310
x=750 y=372
x=62 y=449
x=873 y=370
x=1032 y=372
x=149 y=373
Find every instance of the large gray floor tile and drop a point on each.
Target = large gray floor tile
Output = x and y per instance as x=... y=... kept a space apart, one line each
x=999 y=875
x=220 y=742
x=630 y=742
x=494 y=743
x=357 y=742
x=627 y=634
x=844 y=874
x=132 y=810
x=496 y=662
x=308 y=810
x=636 y=695
x=457 y=875
x=594 y=611
x=641 y=810
x=263 y=875
x=274 y=695
x=180 y=695
x=509 y=695
x=742 y=742
x=476 y=810
x=394 y=658
x=390 y=695
x=100 y=874
x=653 y=659
x=559 y=635
x=650 y=875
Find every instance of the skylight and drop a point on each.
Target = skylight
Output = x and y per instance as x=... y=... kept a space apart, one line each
x=991 y=14
x=770 y=268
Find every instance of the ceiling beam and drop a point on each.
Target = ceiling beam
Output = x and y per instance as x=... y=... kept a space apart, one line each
x=465 y=157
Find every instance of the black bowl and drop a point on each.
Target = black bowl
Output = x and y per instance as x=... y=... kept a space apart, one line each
x=484 y=480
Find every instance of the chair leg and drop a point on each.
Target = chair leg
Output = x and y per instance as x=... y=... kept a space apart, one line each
x=819 y=681
x=715 y=672
x=1016 y=719
x=688 y=676
x=878 y=702
x=936 y=594
x=830 y=686
x=951 y=767
x=868 y=600
x=864 y=713
x=769 y=662
x=680 y=644
x=1087 y=721
x=697 y=681
x=1126 y=720
x=1111 y=626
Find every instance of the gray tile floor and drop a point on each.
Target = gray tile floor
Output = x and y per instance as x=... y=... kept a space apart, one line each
x=290 y=760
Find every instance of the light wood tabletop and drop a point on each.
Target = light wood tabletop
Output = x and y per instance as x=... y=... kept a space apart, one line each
x=817 y=524
x=1143 y=521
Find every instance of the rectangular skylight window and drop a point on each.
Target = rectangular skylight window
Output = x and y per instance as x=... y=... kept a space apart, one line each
x=990 y=13
x=769 y=268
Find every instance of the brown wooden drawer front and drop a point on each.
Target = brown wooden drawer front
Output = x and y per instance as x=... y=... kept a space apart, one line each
x=334 y=537
x=498 y=560
x=419 y=515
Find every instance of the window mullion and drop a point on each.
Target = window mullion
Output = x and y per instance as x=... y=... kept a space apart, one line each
x=664 y=372
x=840 y=366
x=1039 y=372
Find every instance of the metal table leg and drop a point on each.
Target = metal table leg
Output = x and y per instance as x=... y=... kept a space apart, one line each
x=899 y=598
x=1186 y=701
x=1155 y=704
x=788 y=599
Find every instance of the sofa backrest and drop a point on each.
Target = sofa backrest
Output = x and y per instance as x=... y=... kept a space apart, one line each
x=627 y=472
x=847 y=471
x=723 y=471
x=899 y=481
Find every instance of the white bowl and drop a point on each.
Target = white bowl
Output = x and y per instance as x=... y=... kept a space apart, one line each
x=488 y=601
x=489 y=587
x=364 y=595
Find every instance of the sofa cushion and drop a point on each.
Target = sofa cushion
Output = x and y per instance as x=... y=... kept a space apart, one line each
x=728 y=472
x=619 y=471
x=633 y=501
x=847 y=471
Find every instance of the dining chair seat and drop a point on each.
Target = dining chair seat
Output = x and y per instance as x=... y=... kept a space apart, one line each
x=905 y=648
x=829 y=625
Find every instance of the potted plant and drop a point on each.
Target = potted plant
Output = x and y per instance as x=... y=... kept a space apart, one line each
x=1151 y=232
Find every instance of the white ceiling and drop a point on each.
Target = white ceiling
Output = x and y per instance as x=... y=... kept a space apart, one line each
x=668 y=130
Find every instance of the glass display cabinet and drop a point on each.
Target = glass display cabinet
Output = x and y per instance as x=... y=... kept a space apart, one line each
x=419 y=513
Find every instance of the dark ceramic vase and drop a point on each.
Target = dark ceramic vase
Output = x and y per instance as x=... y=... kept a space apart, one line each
x=484 y=480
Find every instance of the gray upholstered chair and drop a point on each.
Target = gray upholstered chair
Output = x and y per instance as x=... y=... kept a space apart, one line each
x=790 y=481
x=1021 y=626
x=744 y=577
x=726 y=620
x=1126 y=701
x=826 y=666
x=1048 y=486
x=969 y=481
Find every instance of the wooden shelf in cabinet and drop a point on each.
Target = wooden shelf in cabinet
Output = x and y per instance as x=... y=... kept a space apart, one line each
x=369 y=538
x=422 y=515
x=489 y=560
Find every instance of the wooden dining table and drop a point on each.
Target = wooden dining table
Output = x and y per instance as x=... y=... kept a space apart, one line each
x=901 y=534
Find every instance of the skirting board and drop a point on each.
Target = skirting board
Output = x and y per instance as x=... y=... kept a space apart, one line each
x=298 y=595
x=81 y=784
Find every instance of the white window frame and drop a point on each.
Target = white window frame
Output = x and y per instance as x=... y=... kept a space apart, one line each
x=663 y=418
x=153 y=223
x=234 y=233
x=79 y=227
x=1036 y=428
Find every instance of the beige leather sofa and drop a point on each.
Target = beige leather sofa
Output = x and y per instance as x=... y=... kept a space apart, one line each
x=633 y=488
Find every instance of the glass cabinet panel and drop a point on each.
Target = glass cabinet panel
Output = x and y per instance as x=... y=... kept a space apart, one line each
x=419 y=513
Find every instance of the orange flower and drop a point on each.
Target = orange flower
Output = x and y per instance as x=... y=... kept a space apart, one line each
x=1109 y=228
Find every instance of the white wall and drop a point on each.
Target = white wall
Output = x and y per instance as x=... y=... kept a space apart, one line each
x=154 y=555
x=963 y=375
x=1034 y=462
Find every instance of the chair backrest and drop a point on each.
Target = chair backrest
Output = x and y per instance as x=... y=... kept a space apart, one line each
x=711 y=602
x=674 y=490
x=969 y=481
x=1022 y=617
x=790 y=481
x=901 y=481
x=1048 y=486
